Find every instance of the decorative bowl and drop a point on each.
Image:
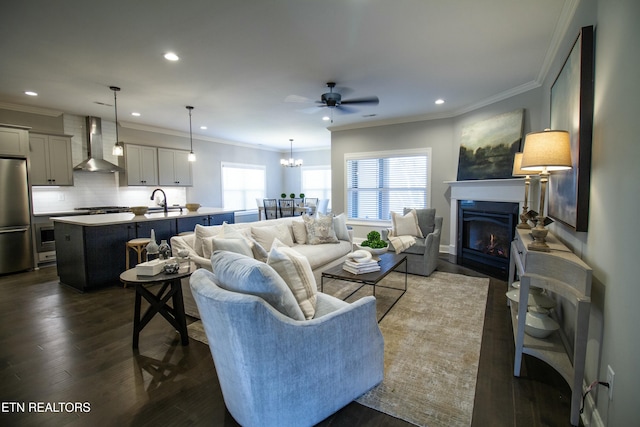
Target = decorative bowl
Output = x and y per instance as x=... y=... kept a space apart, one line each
x=171 y=267
x=139 y=210
x=538 y=323
x=193 y=206
x=374 y=251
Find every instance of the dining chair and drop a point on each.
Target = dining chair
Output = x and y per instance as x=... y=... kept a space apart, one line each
x=287 y=208
x=270 y=208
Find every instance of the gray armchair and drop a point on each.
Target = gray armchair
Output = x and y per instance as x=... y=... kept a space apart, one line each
x=277 y=371
x=422 y=258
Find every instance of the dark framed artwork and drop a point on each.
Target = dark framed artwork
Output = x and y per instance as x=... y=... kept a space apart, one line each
x=572 y=110
x=487 y=148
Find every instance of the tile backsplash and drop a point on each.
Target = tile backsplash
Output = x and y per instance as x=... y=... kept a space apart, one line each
x=91 y=188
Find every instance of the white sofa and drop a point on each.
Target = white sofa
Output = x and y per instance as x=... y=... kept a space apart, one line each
x=320 y=256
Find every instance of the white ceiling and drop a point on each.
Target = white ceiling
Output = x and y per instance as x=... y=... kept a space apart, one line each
x=242 y=60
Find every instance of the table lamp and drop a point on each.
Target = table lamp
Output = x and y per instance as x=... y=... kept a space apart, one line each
x=545 y=151
x=517 y=171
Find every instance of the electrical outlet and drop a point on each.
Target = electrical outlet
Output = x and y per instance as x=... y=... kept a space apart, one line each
x=610 y=375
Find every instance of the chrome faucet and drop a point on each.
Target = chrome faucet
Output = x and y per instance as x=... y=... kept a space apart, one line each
x=165 y=198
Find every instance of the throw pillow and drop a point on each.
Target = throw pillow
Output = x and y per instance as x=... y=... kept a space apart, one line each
x=258 y=251
x=202 y=232
x=340 y=227
x=320 y=229
x=238 y=273
x=297 y=274
x=426 y=220
x=299 y=232
x=406 y=225
x=239 y=246
x=265 y=235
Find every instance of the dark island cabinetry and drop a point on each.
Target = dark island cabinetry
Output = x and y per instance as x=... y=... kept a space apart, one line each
x=189 y=223
x=90 y=249
x=91 y=257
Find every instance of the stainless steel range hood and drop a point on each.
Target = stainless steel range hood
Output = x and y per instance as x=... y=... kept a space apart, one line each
x=95 y=161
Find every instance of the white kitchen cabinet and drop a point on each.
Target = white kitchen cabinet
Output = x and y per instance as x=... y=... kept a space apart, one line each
x=50 y=159
x=14 y=141
x=174 y=167
x=141 y=165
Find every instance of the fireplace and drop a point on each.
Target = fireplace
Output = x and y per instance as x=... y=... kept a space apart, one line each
x=485 y=232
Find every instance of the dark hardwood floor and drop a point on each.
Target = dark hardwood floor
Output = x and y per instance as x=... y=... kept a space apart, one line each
x=59 y=346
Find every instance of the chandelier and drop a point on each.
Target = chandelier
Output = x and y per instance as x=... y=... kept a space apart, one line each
x=291 y=162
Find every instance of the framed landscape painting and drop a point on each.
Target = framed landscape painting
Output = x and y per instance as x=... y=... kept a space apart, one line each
x=487 y=148
x=572 y=110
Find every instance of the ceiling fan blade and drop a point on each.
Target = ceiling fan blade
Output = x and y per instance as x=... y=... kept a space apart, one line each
x=312 y=110
x=372 y=100
x=298 y=99
x=345 y=110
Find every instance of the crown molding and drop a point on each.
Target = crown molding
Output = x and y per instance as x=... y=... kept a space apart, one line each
x=30 y=109
x=171 y=132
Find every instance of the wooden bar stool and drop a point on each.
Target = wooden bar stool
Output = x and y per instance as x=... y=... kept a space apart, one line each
x=139 y=245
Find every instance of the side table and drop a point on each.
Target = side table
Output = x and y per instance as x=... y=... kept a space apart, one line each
x=170 y=290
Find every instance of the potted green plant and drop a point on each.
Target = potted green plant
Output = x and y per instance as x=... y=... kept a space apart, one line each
x=302 y=195
x=374 y=244
x=283 y=195
x=292 y=195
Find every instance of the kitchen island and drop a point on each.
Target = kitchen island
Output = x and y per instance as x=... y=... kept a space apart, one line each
x=90 y=249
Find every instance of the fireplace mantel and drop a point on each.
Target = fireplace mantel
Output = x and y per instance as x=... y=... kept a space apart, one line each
x=490 y=190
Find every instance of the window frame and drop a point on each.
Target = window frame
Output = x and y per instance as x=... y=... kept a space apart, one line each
x=426 y=151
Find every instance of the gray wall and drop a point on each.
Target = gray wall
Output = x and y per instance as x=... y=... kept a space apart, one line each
x=442 y=136
x=610 y=245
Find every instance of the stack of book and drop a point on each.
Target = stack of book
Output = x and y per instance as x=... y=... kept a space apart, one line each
x=355 y=267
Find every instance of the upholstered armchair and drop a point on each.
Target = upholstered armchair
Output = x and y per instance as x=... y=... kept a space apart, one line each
x=275 y=370
x=422 y=257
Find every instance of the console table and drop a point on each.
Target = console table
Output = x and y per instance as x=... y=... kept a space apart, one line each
x=567 y=277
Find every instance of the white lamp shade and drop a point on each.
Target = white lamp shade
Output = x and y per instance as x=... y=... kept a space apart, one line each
x=548 y=150
x=517 y=167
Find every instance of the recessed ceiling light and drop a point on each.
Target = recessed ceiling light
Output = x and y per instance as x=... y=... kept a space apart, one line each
x=170 y=56
x=326 y=118
x=439 y=101
x=203 y=127
x=135 y=114
x=31 y=93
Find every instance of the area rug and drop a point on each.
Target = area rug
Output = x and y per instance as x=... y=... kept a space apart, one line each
x=432 y=339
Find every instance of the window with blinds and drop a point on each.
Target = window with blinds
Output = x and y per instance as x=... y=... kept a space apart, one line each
x=242 y=184
x=380 y=183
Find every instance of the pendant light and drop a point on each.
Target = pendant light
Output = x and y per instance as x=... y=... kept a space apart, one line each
x=192 y=156
x=118 y=148
x=290 y=162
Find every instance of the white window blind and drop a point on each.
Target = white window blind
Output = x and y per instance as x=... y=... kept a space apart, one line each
x=242 y=184
x=380 y=183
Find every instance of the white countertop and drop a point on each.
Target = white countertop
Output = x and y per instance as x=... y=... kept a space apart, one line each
x=123 y=218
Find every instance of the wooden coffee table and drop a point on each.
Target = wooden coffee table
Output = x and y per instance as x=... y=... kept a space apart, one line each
x=171 y=290
x=389 y=261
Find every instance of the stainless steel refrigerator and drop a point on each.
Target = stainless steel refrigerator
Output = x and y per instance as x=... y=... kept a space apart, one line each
x=16 y=249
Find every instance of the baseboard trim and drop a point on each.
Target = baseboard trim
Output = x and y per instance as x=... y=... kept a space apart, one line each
x=590 y=417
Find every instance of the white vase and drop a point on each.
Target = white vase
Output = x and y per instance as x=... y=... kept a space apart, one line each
x=538 y=323
x=152 y=248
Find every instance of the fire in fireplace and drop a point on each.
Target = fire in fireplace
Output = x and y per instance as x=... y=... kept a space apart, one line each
x=485 y=232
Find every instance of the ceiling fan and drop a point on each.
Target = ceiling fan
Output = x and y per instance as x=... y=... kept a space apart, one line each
x=334 y=101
